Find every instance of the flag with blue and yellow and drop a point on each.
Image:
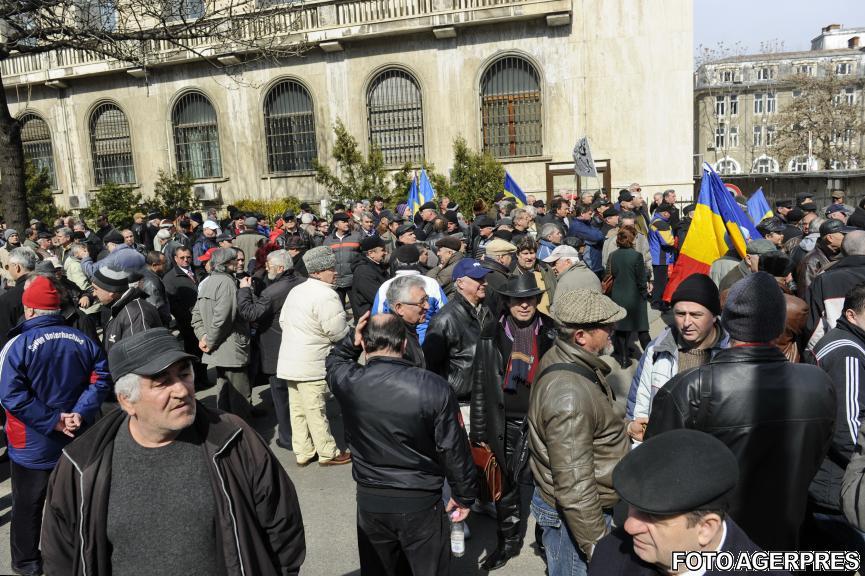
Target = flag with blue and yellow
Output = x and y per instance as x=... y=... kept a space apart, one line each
x=758 y=207
x=420 y=191
x=413 y=196
x=513 y=190
x=717 y=226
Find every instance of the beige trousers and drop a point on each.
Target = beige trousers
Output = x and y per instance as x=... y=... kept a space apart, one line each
x=310 y=430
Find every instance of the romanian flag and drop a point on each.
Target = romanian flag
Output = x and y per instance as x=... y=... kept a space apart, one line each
x=414 y=201
x=513 y=190
x=718 y=225
x=758 y=208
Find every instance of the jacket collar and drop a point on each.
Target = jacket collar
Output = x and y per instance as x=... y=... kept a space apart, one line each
x=576 y=354
x=37 y=322
x=845 y=324
x=750 y=354
x=495 y=266
x=387 y=360
x=850 y=262
x=215 y=432
x=128 y=296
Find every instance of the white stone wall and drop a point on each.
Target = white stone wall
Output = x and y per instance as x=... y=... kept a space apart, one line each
x=620 y=73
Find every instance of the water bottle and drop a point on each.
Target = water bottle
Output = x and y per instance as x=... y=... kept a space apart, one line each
x=458 y=539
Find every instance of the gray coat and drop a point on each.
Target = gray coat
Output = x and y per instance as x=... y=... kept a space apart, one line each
x=216 y=318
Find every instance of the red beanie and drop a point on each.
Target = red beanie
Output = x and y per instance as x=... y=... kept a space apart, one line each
x=40 y=294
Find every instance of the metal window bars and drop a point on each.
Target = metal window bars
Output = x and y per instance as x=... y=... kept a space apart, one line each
x=511 y=108
x=111 y=146
x=395 y=113
x=36 y=141
x=289 y=128
x=196 y=137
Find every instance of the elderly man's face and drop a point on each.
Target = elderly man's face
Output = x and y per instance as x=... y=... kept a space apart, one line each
x=523 y=309
x=694 y=322
x=839 y=216
x=327 y=276
x=105 y=297
x=656 y=538
x=341 y=226
x=413 y=311
x=129 y=238
x=834 y=240
x=377 y=254
x=445 y=255
x=166 y=401
x=562 y=264
x=366 y=223
x=408 y=238
x=775 y=238
x=526 y=259
x=209 y=232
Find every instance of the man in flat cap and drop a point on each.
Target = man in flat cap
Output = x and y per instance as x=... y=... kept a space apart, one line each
x=576 y=432
x=776 y=417
x=570 y=271
x=827 y=251
x=753 y=251
x=482 y=229
x=498 y=259
x=369 y=272
x=249 y=239
x=663 y=523
x=167 y=484
x=450 y=252
x=223 y=333
x=345 y=245
x=53 y=380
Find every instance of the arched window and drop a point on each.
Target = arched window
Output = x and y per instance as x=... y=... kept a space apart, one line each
x=511 y=108
x=801 y=164
x=36 y=139
x=395 y=112
x=111 y=146
x=196 y=137
x=765 y=165
x=727 y=166
x=289 y=125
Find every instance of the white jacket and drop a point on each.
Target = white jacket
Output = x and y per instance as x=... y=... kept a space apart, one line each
x=312 y=320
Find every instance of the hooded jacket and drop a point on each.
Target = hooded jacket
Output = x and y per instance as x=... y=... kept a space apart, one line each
x=259 y=527
x=48 y=368
x=129 y=315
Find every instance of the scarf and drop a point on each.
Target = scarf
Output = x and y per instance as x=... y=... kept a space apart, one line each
x=524 y=354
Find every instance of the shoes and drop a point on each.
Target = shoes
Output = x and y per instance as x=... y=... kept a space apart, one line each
x=341 y=458
x=499 y=557
x=305 y=463
x=283 y=445
x=27 y=571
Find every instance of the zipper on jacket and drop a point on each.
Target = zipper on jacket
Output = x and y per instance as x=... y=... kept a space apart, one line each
x=80 y=513
x=228 y=498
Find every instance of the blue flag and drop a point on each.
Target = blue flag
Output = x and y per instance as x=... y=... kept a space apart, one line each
x=513 y=190
x=425 y=190
x=413 y=197
x=758 y=208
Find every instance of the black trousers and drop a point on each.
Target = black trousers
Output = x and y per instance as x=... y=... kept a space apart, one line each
x=410 y=544
x=660 y=275
x=510 y=516
x=28 y=498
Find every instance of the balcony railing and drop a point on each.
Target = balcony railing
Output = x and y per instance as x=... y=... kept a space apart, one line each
x=315 y=21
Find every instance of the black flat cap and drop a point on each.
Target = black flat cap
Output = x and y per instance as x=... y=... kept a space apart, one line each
x=808 y=207
x=784 y=203
x=677 y=472
x=771 y=225
x=341 y=216
x=795 y=215
x=408 y=254
x=370 y=243
x=625 y=196
x=664 y=207
x=145 y=353
x=114 y=237
x=451 y=242
x=484 y=221
x=831 y=226
x=428 y=206
x=451 y=216
x=404 y=228
x=800 y=198
x=610 y=212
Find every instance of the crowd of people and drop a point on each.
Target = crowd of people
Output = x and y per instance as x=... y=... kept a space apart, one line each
x=449 y=335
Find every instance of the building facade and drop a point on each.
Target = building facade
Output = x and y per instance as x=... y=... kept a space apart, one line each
x=737 y=101
x=523 y=79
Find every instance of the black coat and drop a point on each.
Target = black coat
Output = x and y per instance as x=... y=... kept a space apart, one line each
x=496 y=281
x=415 y=443
x=182 y=293
x=491 y=360
x=129 y=315
x=265 y=311
x=857 y=218
x=11 y=310
x=449 y=345
x=776 y=417
x=368 y=278
x=614 y=555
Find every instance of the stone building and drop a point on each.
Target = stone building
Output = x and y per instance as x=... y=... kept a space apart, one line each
x=523 y=79
x=736 y=106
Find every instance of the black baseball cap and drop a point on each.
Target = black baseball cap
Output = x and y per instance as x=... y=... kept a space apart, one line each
x=145 y=353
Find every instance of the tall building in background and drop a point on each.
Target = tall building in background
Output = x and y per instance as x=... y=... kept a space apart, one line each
x=522 y=79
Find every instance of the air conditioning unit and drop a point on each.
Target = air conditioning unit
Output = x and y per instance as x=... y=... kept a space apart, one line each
x=204 y=192
x=78 y=202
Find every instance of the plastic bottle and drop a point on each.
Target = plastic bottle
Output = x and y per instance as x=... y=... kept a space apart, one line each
x=458 y=539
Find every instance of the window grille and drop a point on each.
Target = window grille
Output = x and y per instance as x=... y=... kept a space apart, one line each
x=196 y=137
x=111 y=146
x=395 y=112
x=184 y=10
x=36 y=140
x=289 y=125
x=511 y=109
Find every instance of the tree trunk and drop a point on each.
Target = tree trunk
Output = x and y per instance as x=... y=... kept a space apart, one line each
x=13 y=198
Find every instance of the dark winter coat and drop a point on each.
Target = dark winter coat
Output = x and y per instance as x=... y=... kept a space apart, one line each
x=492 y=355
x=259 y=528
x=265 y=310
x=182 y=292
x=629 y=289
x=777 y=418
x=825 y=296
x=367 y=279
x=152 y=285
x=347 y=251
x=129 y=315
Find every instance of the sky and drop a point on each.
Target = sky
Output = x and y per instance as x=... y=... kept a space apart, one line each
x=750 y=22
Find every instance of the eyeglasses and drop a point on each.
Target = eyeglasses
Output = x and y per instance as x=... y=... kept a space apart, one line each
x=423 y=302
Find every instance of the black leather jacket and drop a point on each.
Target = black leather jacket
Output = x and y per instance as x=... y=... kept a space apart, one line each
x=449 y=345
x=417 y=441
x=775 y=416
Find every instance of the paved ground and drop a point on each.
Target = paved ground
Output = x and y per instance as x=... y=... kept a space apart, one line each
x=327 y=499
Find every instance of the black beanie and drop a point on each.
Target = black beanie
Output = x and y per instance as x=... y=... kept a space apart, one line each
x=756 y=310
x=698 y=288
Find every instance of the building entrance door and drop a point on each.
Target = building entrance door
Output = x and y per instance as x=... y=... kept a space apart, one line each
x=561 y=179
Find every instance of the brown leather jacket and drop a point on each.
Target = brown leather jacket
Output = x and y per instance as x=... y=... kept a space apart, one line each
x=814 y=262
x=576 y=437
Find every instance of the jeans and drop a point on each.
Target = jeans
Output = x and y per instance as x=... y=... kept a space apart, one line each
x=564 y=558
